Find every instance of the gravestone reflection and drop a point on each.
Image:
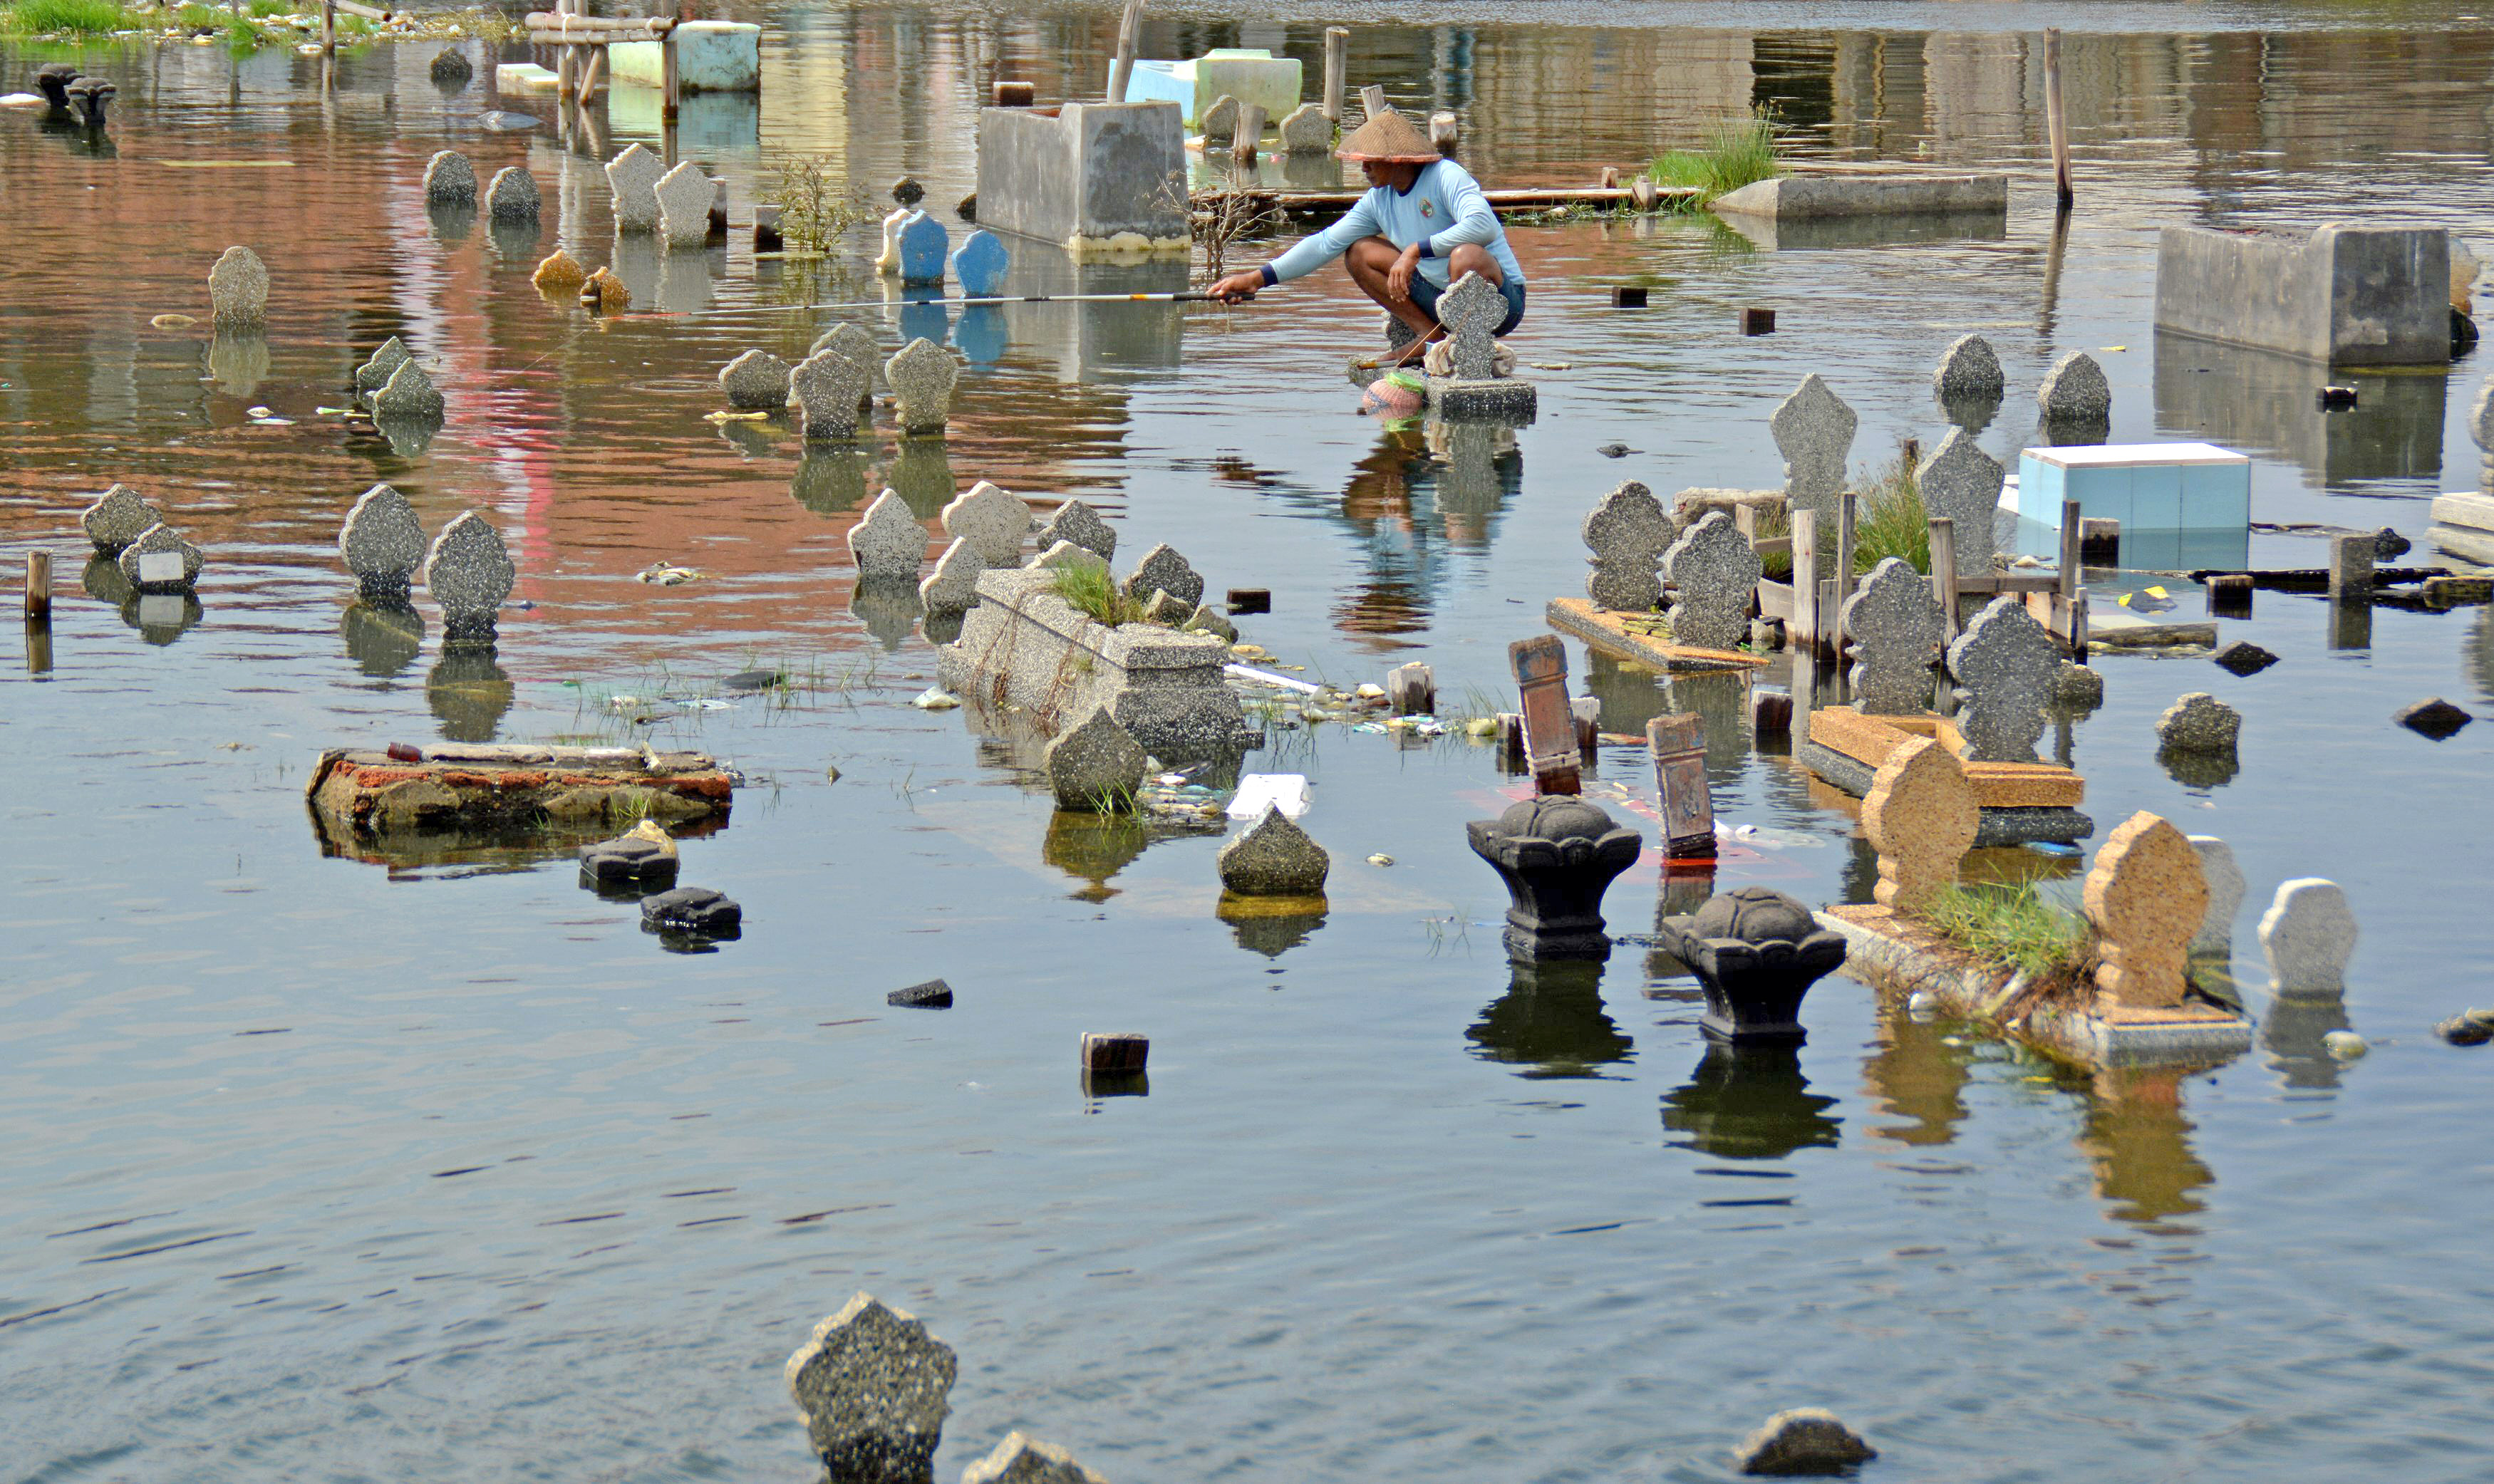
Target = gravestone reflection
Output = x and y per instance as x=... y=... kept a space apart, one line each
x=469 y=693
x=2136 y=1136
x=889 y=607
x=1551 y=1022
x=831 y=477
x=1750 y=1102
x=382 y=637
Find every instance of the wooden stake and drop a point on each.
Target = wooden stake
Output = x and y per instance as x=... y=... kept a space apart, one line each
x=1802 y=626
x=1337 y=61
x=1944 y=569
x=328 y=25
x=671 y=93
x=1251 y=132
x=1844 y=514
x=2056 y=124
x=1372 y=100
x=38 y=586
x=1444 y=133
x=1130 y=34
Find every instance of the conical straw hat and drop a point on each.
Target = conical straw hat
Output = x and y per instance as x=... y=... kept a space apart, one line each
x=1388 y=138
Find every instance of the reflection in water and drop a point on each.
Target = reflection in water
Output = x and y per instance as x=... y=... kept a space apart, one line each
x=755 y=437
x=831 y=477
x=684 y=281
x=1551 y=1021
x=1080 y=340
x=919 y=314
x=1749 y=1102
x=2262 y=404
x=1917 y=1076
x=2477 y=655
x=889 y=608
x=1478 y=469
x=2351 y=626
x=104 y=582
x=382 y=639
x=1271 y=925
x=239 y=362
x=160 y=617
x=634 y=258
x=451 y=221
x=1972 y=413
x=515 y=241
x=470 y=694
x=409 y=434
x=1093 y=848
x=1770 y=235
x=922 y=475
x=2139 y=1142
x=2198 y=769
x=2291 y=1032
x=979 y=334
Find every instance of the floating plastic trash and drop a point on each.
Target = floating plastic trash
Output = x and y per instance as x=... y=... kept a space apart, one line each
x=1287 y=792
x=936 y=699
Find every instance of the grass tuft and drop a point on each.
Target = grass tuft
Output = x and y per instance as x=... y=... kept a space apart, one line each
x=2012 y=924
x=1889 y=519
x=1737 y=152
x=1095 y=592
x=73 y=17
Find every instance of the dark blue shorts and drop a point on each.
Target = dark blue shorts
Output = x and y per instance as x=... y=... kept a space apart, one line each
x=1425 y=294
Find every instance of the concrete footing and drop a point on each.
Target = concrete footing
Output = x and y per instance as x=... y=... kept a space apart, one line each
x=1801 y=197
x=2051 y=824
x=1098 y=179
x=2347 y=295
x=1024 y=647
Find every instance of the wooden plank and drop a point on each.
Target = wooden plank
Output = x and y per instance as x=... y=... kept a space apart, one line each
x=1945 y=580
x=1845 y=508
x=1678 y=744
x=1550 y=748
x=1251 y=133
x=1803 y=626
x=1611 y=633
x=1372 y=100
x=1776 y=601
x=1337 y=60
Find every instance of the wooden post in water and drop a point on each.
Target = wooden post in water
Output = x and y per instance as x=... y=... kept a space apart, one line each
x=672 y=94
x=1944 y=569
x=38 y=587
x=1372 y=100
x=1803 y=627
x=1130 y=35
x=1337 y=61
x=1444 y=133
x=2056 y=122
x=1550 y=748
x=329 y=26
x=1251 y=131
x=1844 y=513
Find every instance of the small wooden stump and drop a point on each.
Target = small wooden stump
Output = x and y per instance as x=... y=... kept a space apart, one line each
x=1016 y=94
x=1110 y=1051
x=1627 y=296
x=1411 y=690
x=1757 y=321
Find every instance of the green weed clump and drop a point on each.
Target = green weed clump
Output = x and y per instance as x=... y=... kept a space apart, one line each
x=1738 y=152
x=817 y=205
x=1889 y=519
x=1091 y=591
x=70 y=18
x=2010 y=923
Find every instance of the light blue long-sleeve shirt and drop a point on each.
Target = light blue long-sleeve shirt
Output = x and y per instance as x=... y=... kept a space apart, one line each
x=1444 y=209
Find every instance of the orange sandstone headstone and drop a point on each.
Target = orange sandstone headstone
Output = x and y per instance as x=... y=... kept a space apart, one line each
x=1920 y=815
x=558 y=273
x=2145 y=896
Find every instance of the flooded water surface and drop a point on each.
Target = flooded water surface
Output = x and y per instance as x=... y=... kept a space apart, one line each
x=329 y=1163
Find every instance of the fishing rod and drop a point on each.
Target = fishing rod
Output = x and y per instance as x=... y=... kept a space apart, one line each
x=1183 y=296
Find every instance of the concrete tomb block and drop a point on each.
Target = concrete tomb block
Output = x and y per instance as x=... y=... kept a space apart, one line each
x=2307 y=935
x=1799 y=197
x=512 y=195
x=2199 y=722
x=449 y=180
x=1096 y=766
x=160 y=561
x=1897 y=629
x=632 y=178
x=2008 y=668
x=469 y=573
x=827 y=389
x=851 y=340
x=1022 y=1459
x=1714 y=573
x=2347 y=294
x=953 y=588
x=873 y=1387
x=1968 y=372
x=992 y=519
x=922 y=376
x=1274 y=857
x=685 y=195
x=410 y=395
x=2226 y=886
x=755 y=380
x=887 y=543
x=239 y=290
x=979 y=265
x=1078 y=522
x=1960 y=484
x=1164 y=570
x=923 y=244
x=118 y=518
x=383 y=543
x=1814 y=429
x=1920 y=816
x=2146 y=898
x=719 y=56
x=1095 y=178
x=1627 y=531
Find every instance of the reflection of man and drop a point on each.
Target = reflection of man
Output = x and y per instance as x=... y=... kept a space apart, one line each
x=1422 y=225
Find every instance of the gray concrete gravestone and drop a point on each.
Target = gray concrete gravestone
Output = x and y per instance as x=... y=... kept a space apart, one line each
x=469 y=573
x=1627 y=531
x=1164 y=570
x=383 y=543
x=1714 y=571
x=1896 y=627
x=887 y=544
x=1814 y=429
x=118 y=518
x=827 y=390
x=992 y=519
x=512 y=195
x=409 y=394
x=1960 y=484
x=1471 y=309
x=1078 y=522
x=922 y=376
x=632 y=179
x=755 y=380
x=1968 y=372
x=160 y=561
x=374 y=374
x=873 y=1387
x=685 y=195
x=239 y=290
x=449 y=180
x=952 y=588
x=2008 y=668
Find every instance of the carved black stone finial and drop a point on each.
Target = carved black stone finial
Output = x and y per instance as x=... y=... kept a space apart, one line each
x=1558 y=855
x=1756 y=952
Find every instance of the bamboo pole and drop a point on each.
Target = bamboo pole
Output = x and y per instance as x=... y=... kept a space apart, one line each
x=1337 y=62
x=1130 y=35
x=2057 y=123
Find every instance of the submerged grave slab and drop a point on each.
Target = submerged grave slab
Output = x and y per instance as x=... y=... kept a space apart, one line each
x=2019 y=802
x=369 y=793
x=1027 y=647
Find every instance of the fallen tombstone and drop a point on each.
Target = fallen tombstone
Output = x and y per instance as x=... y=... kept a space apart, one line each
x=2433 y=717
x=873 y=1387
x=643 y=860
x=1022 y=1459
x=695 y=911
x=372 y=792
x=1273 y=858
x=1097 y=766
x=1804 y=1440
x=118 y=518
x=933 y=994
